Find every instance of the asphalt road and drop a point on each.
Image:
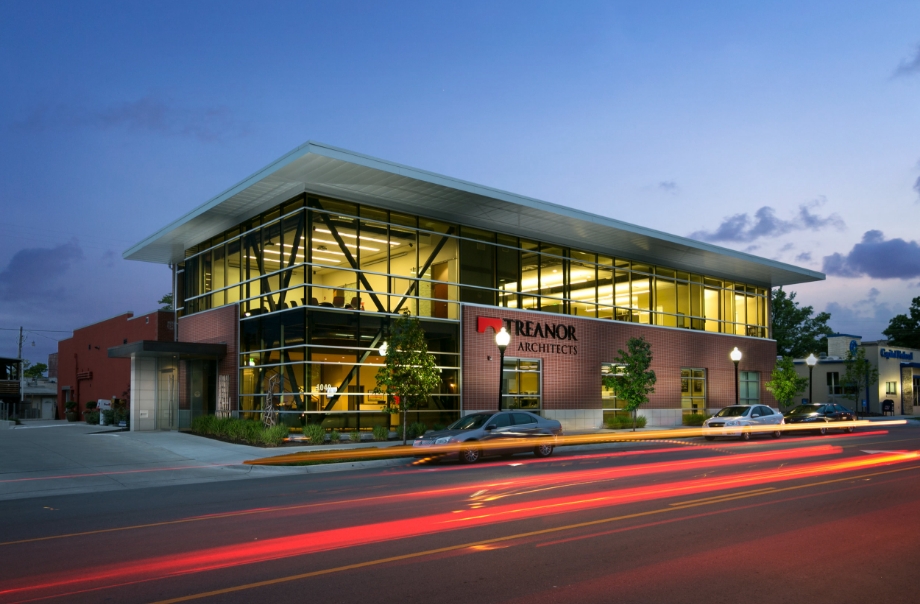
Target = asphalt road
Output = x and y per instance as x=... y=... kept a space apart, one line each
x=799 y=519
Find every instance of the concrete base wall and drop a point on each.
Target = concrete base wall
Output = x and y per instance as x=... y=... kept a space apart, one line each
x=576 y=419
x=661 y=418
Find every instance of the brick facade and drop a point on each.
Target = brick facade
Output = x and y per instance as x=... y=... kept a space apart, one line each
x=573 y=380
x=85 y=371
x=217 y=326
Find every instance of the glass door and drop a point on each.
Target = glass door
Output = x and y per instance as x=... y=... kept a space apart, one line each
x=167 y=397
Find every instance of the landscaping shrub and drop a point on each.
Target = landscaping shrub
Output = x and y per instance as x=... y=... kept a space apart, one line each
x=70 y=405
x=315 y=434
x=273 y=436
x=91 y=417
x=91 y=405
x=694 y=419
x=381 y=433
x=417 y=429
x=109 y=416
x=621 y=422
x=355 y=436
x=335 y=437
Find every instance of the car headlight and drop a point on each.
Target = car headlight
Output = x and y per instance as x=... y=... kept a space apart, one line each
x=731 y=422
x=442 y=441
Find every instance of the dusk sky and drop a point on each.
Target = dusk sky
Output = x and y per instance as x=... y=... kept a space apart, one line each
x=785 y=129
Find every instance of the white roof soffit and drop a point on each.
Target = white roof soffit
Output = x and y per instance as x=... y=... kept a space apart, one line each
x=338 y=173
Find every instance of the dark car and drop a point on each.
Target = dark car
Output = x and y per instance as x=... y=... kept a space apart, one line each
x=821 y=416
x=480 y=434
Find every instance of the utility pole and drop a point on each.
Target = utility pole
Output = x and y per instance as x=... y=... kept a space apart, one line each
x=19 y=354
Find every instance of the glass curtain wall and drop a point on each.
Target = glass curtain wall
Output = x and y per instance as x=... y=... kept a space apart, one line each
x=361 y=265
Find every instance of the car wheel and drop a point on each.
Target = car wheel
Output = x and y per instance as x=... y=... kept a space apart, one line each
x=777 y=434
x=543 y=450
x=745 y=436
x=709 y=437
x=470 y=454
x=822 y=430
x=850 y=429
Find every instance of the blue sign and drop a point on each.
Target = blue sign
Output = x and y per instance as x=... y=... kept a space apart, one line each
x=853 y=346
x=896 y=354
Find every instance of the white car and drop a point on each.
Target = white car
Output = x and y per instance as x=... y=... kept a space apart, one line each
x=733 y=420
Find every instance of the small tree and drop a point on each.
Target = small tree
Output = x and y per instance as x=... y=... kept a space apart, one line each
x=859 y=373
x=34 y=371
x=410 y=374
x=796 y=329
x=166 y=302
x=784 y=382
x=633 y=381
x=904 y=330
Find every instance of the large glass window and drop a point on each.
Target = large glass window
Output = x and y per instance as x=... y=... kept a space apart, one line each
x=693 y=390
x=521 y=379
x=749 y=387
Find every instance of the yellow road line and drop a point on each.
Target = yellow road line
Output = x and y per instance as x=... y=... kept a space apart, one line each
x=547 y=531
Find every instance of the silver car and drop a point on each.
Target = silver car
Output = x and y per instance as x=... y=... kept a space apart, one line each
x=737 y=420
x=480 y=434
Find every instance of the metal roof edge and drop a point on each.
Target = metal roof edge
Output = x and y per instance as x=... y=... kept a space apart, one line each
x=367 y=161
x=215 y=201
x=554 y=208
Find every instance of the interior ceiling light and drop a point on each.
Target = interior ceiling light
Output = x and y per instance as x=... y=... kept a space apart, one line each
x=353 y=236
x=351 y=245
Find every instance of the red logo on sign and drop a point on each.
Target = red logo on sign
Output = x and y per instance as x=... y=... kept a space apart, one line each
x=483 y=323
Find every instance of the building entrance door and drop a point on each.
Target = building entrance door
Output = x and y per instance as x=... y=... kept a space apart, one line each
x=167 y=399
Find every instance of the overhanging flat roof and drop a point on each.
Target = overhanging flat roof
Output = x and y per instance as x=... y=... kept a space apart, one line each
x=154 y=348
x=328 y=171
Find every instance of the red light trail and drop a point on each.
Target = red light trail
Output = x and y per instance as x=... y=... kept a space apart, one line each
x=331 y=539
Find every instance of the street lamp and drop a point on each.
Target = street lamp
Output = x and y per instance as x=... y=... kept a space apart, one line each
x=502 y=338
x=811 y=361
x=735 y=356
x=383 y=349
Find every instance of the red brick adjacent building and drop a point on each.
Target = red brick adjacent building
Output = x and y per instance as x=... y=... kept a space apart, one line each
x=84 y=369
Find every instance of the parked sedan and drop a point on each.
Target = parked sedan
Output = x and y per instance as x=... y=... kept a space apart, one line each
x=820 y=415
x=479 y=434
x=732 y=421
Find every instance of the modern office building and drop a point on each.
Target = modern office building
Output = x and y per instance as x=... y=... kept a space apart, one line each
x=898 y=375
x=299 y=269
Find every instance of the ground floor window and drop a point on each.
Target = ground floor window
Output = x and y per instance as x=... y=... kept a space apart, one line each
x=693 y=390
x=891 y=387
x=749 y=387
x=833 y=383
x=609 y=401
x=521 y=379
x=320 y=367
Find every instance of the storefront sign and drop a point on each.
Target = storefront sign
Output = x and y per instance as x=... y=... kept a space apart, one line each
x=534 y=329
x=896 y=354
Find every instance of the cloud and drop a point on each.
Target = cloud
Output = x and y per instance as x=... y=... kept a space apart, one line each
x=917 y=185
x=108 y=258
x=877 y=258
x=741 y=228
x=908 y=67
x=803 y=257
x=867 y=317
x=32 y=273
x=668 y=186
x=151 y=114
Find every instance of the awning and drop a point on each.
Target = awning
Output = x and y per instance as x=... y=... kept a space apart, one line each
x=154 y=348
